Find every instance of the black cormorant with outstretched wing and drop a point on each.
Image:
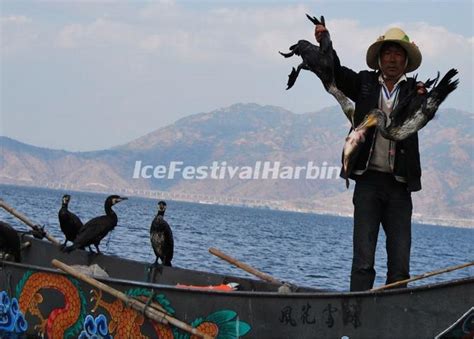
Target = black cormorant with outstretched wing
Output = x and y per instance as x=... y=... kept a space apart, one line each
x=320 y=61
x=413 y=112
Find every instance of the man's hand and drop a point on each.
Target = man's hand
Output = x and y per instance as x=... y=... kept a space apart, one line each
x=318 y=30
x=420 y=88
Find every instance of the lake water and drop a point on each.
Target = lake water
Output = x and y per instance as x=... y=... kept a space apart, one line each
x=305 y=249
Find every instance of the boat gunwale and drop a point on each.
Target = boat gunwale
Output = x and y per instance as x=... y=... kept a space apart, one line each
x=316 y=294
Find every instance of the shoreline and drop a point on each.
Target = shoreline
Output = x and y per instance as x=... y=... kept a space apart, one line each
x=276 y=205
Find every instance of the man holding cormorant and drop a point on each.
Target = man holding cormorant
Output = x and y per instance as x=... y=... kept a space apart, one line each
x=385 y=171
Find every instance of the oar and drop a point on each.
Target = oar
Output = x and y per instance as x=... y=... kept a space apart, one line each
x=27 y=221
x=245 y=267
x=149 y=312
x=422 y=276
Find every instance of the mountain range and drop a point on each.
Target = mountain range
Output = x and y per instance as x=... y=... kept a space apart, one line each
x=221 y=156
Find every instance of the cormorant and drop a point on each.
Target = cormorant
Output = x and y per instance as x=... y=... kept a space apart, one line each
x=161 y=237
x=97 y=228
x=69 y=222
x=320 y=61
x=10 y=241
x=413 y=112
x=410 y=115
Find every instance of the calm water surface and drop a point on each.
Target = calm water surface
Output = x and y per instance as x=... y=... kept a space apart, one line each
x=305 y=249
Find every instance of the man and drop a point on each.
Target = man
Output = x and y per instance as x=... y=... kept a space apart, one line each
x=385 y=172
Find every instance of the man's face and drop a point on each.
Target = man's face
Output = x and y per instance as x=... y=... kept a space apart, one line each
x=392 y=61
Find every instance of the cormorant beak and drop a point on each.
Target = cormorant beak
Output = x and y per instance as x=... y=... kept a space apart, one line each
x=369 y=121
x=117 y=200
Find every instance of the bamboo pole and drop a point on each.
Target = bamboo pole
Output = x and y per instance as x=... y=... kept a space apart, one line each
x=245 y=267
x=422 y=276
x=25 y=220
x=154 y=305
x=138 y=305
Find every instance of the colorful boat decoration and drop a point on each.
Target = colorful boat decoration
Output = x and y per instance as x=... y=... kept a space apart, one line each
x=12 y=320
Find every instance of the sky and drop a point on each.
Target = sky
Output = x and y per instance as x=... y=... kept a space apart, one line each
x=87 y=75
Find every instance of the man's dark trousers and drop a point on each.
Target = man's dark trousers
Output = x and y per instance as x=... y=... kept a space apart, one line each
x=380 y=199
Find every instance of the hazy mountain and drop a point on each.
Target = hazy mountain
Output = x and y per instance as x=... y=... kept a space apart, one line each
x=240 y=137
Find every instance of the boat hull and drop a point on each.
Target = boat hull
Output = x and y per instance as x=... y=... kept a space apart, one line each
x=58 y=305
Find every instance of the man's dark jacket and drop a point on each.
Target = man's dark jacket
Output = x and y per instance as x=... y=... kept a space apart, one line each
x=364 y=89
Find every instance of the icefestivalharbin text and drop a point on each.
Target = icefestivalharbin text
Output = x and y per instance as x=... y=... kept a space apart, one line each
x=221 y=170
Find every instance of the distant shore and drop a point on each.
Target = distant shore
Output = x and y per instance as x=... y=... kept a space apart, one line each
x=461 y=223
x=261 y=204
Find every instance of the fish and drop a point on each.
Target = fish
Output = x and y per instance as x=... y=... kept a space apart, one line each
x=353 y=144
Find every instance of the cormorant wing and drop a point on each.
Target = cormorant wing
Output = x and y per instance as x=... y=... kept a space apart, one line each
x=70 y=221
x=94 y=230
x=76 y=221
x=161 y=225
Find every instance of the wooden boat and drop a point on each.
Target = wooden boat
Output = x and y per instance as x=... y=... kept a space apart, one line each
x=37 y=299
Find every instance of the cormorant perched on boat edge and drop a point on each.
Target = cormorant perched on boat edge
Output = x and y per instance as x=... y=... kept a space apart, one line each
x=10 y=241
x=161 y=237
x=69 y=222
x=97 y=228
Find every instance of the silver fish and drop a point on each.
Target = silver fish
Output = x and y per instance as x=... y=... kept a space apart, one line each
x=352 y=146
